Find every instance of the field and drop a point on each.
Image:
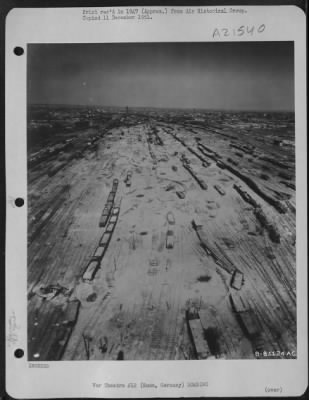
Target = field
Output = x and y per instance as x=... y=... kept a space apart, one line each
x=197 y=253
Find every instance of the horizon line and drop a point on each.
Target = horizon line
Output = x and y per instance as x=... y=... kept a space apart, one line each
x=159 y=108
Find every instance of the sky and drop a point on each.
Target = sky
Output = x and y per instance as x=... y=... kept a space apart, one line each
x=239 y=76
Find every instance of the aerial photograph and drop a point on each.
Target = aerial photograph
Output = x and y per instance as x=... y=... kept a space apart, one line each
x=161 y=201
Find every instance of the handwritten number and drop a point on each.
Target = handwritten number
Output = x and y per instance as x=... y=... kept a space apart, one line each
x=241 y=30
x=250 y=30
x=225 y=32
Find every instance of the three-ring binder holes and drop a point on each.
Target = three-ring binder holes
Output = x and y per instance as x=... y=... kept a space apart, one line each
x=18 y=51
x=19 y=353
x=19 y=202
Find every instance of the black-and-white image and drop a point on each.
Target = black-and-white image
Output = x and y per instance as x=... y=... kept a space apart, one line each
x=161 y=201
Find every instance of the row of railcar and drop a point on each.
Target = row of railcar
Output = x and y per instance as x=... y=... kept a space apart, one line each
x=42 y=155
x=272 y=230
x=205 y=163
x=200 y=181
x=108 y=205
x=219 y=189
x=109 y=218
x=96 y=259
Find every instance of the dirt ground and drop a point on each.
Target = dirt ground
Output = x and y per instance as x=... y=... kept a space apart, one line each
x=140 y=301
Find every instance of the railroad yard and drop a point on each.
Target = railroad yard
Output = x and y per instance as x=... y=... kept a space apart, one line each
x=160 y=234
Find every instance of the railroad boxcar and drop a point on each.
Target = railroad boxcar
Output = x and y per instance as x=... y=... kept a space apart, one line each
x=203 y=184
x=180 y=194
x=200 y=343
x=99 y=253
x=71 y=313
x=91 y=270
x=170 y=218
x=219 y=190
x=113 y=219
x=197 y=223
x=115 y=211
x=103 y=220
x=238 y=302
x=105 y=239
x=111 y=197
x=170 y=239
x=237 y=279
x=110 y=228
x=249 y=323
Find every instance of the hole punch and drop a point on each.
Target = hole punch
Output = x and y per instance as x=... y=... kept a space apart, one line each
x=19 y=353
x=18 y=51
x=19 y=202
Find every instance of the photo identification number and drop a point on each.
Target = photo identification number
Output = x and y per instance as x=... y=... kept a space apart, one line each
x=197 y=384
x=242 y=30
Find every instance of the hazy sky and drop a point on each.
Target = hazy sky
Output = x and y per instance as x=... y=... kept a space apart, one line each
x=231 y=76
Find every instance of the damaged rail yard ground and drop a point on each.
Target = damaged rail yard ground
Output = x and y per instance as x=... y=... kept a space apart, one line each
x=160 y=234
